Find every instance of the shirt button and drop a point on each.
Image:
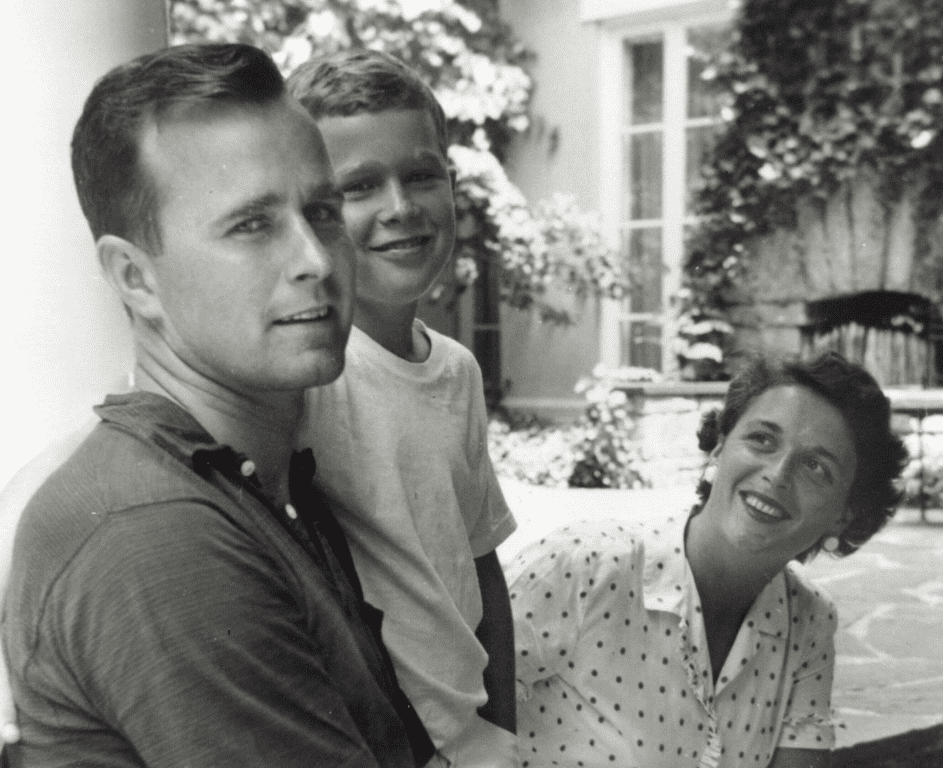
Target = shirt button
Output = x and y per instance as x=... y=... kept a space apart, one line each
x=247 y=468
x=291 y=511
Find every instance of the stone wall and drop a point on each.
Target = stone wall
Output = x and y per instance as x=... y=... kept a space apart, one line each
x=667 y=416
x=666 y=419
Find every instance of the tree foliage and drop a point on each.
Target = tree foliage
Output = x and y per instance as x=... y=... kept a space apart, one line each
x=820 y=91
x=476 y=67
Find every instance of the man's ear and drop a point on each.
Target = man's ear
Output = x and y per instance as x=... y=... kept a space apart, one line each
x=129 y=269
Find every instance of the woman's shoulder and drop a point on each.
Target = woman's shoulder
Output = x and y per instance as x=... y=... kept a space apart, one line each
x=809 y=603
x=586 y=545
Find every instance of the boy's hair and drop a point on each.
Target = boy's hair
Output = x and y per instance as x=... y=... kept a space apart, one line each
x=358 y=81
x=115 y=191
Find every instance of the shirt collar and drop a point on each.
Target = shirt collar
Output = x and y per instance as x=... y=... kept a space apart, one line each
x=666 y=567
x=157 y=419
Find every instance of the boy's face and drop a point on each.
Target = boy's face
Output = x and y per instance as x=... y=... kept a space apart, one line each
x=256 y=271
x=398 y=202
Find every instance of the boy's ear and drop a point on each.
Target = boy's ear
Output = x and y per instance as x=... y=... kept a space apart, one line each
x=129 y=269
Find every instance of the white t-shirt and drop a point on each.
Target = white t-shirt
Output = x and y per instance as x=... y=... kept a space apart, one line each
x=401 y=451
x=613 y=665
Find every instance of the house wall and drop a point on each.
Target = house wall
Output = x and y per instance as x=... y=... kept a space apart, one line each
x=560 y=153
x=65 y=339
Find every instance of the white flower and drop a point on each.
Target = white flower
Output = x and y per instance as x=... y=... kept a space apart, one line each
x=769 y=172
x=922 y=139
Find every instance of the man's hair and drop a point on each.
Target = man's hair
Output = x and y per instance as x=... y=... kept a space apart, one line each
x=873 y=496
x=362 y=81
x=115 y=191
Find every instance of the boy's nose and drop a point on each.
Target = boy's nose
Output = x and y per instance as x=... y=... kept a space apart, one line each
x=399 y=203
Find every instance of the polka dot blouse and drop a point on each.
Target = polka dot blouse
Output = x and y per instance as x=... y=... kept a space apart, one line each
x=613 y=666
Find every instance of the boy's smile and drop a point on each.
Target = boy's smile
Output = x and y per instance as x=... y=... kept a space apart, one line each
x=398 y=202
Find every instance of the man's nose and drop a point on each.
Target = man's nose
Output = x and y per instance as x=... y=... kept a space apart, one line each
x=310 y=258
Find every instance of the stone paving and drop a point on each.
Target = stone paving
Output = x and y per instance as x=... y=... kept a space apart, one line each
x=889 y=672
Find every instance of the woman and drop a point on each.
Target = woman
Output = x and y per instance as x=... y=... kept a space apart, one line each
x=691 y=642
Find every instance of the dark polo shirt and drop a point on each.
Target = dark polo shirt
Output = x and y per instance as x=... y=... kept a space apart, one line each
x=163 y=612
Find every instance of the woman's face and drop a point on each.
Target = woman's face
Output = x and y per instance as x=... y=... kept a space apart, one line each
x=783 y=474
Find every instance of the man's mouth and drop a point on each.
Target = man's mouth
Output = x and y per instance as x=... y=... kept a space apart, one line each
x=307 y=316
x=403 y=244
x=764 y=507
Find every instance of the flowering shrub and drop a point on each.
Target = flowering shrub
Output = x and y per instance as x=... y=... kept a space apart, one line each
x=820 y=92
x=607 y=456
x=475 y=67
x=557 y=242
x=922 y=478
x=702 y=336
x=532 y=452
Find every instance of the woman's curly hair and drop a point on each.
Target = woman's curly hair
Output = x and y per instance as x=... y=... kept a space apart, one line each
x=874 y=495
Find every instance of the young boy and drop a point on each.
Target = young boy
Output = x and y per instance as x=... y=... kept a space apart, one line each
x=400 y=438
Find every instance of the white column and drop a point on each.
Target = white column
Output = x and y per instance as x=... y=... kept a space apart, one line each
x=64 y=339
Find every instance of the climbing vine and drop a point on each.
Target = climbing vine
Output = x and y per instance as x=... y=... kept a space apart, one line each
x=820 y=92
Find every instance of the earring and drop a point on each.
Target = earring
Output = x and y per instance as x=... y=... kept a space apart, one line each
x=830 y=543
x=710 y=472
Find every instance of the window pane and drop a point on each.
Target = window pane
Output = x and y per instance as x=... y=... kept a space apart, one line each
x=641 y=345
x=642 y=187
x=642 y=253
x=699 y=141
x=644 y=65
x=704 y=97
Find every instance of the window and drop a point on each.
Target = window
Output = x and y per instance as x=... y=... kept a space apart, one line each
x=657 y=132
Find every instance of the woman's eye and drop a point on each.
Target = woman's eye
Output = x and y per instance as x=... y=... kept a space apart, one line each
x=817 y=467
x=760 y=438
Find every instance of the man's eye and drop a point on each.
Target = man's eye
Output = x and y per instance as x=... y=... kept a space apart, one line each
x=251 y=226
x=324 y=214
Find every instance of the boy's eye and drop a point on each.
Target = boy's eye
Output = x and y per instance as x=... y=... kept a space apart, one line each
x=358 y=188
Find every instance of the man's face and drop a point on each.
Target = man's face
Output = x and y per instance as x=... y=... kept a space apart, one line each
x=255 y=277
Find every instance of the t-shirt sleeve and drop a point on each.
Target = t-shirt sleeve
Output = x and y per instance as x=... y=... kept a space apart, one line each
x=493 y=521
x=807 y=723
x=192 y=645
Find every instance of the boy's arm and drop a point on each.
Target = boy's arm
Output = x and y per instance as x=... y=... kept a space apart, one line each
x=496 y=635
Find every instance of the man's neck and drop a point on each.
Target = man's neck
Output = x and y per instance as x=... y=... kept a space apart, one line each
x=392 y=327
x=261 y=427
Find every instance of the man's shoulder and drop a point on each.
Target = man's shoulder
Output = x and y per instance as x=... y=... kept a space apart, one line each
x=111 y=470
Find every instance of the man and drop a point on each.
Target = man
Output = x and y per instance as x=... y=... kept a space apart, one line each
x=180 y=595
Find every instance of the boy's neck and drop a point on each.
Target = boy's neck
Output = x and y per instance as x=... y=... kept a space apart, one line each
x=392 y=327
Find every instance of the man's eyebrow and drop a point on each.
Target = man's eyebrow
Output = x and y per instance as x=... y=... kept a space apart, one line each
x=252 y=207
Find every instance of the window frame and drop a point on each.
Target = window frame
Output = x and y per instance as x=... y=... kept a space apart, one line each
x=669 y=24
